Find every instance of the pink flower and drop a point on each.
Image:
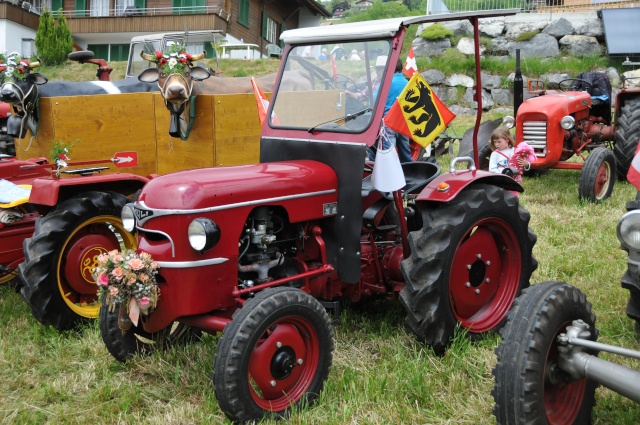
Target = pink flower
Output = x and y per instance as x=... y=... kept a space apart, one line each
x=103 y=258
x=117 y=273
x=103 y=280
x=113 y=290
x=136 y=263
x=143 y=277
x=131 y=281
x=117 y=258
x=144 y=302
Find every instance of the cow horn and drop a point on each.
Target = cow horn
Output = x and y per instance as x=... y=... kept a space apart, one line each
x=148 y=57
x=198 y=56
x=33 y=65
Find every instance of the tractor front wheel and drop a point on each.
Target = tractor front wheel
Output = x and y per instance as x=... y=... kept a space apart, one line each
x=467 y=265
x=124 y=345
x=274 y=354
x=598 y=175
x=530 y=388
x=61 y=255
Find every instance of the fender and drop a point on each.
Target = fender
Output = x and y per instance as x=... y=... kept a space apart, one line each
x=49 y=191
x=447 y=186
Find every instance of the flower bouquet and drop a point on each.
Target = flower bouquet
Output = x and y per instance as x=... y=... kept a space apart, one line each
x=127 y=278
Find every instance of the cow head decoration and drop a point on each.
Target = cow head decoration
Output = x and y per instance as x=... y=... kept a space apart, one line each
x=175 y=74
x=20 y=89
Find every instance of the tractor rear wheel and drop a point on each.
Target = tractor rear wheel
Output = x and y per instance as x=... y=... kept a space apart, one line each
x=627 y=135
x=468 y=263
x=530 y=388
x=274 y=354
x=598 y=175
x=60 y=256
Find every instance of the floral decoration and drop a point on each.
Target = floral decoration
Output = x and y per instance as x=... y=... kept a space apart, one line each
x=14 y=66
x=128 y=278
x=60 y=153
x=175 y=60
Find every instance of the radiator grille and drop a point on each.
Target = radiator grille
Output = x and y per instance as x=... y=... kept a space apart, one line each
x=535 y=134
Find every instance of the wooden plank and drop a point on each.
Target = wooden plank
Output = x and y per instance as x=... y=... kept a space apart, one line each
x=237 y=128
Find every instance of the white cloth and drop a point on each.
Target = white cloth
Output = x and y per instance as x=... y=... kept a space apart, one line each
x=10 y=192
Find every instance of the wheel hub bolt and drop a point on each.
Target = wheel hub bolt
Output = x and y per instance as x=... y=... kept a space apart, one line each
x=488 y=263
x=273 y=383
x=487 y=280
x=479 y=255
x=468 y=266
x=278 y=344
x=300 y=361
x=477 y=291
x=468 y=284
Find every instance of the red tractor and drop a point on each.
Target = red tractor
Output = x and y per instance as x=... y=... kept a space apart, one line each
x=259 y=252
x=572 y=128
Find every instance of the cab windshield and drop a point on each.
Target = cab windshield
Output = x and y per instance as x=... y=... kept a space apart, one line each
x=330 y=87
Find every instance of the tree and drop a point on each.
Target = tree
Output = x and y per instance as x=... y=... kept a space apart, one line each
x=53 y=38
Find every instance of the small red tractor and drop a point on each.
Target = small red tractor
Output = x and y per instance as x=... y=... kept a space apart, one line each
x=52 y=237
x=572 y=128
x=260 y=252
x=548 y=367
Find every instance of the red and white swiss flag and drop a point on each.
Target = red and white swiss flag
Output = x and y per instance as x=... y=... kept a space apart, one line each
x=410 y=66
x=633 y=175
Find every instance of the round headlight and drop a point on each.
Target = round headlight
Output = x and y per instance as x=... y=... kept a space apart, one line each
x=128 y=218
x=508 y=121
x=567 y=122
x=203 y=234
x=629 y=230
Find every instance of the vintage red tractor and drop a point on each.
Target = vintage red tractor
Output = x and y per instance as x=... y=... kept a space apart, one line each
x=259 y=252
x=572 y=128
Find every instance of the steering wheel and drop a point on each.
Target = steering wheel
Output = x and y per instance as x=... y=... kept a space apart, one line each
x=345 y=83
x=565 y=85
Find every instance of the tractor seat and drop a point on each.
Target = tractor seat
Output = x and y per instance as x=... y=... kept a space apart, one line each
x=416 y=175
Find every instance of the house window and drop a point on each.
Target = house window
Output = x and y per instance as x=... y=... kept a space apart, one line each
x=28 y=47
x=272 y=31
x=243 y=12
x=99 y=8
x=121 y=6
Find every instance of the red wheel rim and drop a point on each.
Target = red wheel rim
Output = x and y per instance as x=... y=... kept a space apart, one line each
x=562 y=400
x=602 y=180
x=283 y=364
x=485 y=275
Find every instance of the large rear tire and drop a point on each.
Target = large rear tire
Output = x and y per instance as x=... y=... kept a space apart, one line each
x=60 y=256
x=627 y=136
x=275 y=354
x=467 y=265
x=530 y=388
x=598 y=175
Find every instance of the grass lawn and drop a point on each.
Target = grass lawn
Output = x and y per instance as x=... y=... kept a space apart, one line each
x=380 y=374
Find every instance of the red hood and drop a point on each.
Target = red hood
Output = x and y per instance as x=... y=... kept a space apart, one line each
x=210 y=187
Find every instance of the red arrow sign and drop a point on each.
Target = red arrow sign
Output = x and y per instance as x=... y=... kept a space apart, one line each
x=125 y=159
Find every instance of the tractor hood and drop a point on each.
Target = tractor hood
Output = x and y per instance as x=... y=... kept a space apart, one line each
x=214 y=187
x=556 y=104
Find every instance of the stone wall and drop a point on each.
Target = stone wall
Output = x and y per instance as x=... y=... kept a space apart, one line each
x=575 y=34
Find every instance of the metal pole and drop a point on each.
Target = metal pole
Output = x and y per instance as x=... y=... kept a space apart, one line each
x=518 y=89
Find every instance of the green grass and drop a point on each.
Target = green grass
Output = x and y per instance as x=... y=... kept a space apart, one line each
x=381 y=375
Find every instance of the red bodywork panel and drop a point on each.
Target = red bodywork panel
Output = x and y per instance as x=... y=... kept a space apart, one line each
x=226 y=195
x=447 y=186
x=551 y=108
x=23 y=172
x=47 y=191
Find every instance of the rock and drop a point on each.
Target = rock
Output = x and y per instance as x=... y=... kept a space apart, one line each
x=540 y=46
x=613 y=75
x=433 y=76
x=590 y=26
x=487 y=101
x=559 y=28
x=463 y=27
x=499 y=46
x=492 y=29
x=447 y=94
x=631 y=78
x=467 y=46
x=455 y=80
x=516 y=29
x=422 y=47
x=490 y=81
x=580 y=45
x=502 y=96
x=552 y=80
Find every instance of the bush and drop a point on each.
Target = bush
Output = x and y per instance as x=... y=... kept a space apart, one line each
x=526 y=36
x=53 y=38
x=436 y=32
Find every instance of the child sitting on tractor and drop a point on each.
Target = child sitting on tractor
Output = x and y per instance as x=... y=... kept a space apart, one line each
x=502 y=159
